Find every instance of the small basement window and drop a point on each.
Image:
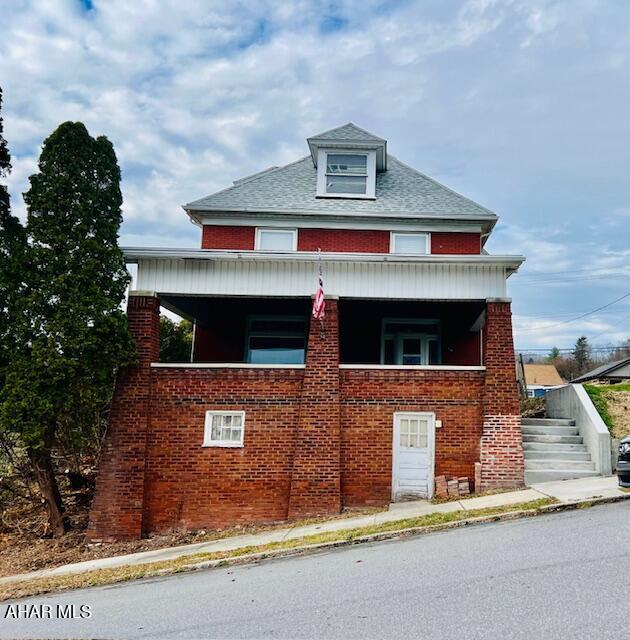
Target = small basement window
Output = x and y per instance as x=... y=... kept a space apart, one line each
x=224 y=429
x=409 y=243
x=276 y=239
x=345 y=174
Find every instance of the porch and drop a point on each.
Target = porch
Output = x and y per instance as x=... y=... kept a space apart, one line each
x=275 y=331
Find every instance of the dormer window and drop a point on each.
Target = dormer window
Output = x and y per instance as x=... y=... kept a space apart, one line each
x=346 y=174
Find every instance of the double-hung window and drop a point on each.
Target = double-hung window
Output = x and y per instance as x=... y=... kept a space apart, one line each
x=276 y=239
x=346 y=174
x=224 y=429
x=409 y=243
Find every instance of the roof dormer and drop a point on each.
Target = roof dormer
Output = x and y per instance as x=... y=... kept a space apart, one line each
x=347 y=159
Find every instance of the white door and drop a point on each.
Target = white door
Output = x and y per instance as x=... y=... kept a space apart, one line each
x=412 y=469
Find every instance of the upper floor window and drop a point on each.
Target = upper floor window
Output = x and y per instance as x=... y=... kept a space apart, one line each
x=276 y=239
x=345 y=174
x=409 y=243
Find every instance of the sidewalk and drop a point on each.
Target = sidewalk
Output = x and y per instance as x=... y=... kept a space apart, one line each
x=566 y=491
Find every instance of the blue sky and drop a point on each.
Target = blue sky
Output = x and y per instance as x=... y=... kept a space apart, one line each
x=522 y=105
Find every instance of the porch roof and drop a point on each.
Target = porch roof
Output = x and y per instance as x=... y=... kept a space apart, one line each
x=137 y=254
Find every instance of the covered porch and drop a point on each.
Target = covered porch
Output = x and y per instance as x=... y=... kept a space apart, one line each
x=275 y=331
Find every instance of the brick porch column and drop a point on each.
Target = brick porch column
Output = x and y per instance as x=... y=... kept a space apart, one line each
x=502 y=461
x=116 y=512
x=316 y=478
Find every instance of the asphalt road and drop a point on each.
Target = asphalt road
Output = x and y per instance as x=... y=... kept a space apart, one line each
x=563 y=575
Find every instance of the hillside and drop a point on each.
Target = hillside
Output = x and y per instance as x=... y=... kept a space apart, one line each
x=613 y=403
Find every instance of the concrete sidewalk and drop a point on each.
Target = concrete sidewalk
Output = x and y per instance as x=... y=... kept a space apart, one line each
x=565 y=491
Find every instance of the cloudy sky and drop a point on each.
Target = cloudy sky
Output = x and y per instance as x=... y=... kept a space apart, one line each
x=523 y=105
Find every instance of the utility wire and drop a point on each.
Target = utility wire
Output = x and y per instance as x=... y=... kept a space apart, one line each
x=584 y=315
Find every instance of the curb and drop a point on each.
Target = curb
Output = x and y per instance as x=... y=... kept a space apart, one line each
x=312 y=549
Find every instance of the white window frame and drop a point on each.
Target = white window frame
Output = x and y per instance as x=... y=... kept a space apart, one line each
x=424 y=338
x=261 y=230
x=207 y=433
x=370 y=181
x=394 y=234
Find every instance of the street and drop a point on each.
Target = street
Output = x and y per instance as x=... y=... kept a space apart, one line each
x=564 y=575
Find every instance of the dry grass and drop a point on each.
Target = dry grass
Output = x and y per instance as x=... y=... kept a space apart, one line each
x=123 y=574
x=21 y=551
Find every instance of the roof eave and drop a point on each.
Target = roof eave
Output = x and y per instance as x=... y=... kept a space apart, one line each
x=133 y=254
x=193 y=208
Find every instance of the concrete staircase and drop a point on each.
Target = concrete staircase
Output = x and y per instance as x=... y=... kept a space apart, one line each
x=554 y=450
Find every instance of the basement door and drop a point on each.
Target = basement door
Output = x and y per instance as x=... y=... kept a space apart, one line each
x=413 y=455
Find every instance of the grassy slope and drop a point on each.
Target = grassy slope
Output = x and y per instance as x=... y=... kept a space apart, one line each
x=602 y=397
x=598 y=398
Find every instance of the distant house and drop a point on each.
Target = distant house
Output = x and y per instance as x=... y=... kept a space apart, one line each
x=611 y=372
x=539 y=378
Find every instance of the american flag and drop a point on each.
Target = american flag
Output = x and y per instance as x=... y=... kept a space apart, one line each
x=319 y=303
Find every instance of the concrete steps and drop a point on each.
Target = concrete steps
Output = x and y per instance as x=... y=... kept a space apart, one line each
x=534 y=464
x=536 y=454
x=552 y=446
x=551 y=439
x=545 y=422
x=539 y=475
x=550 y=431
x=554 y=450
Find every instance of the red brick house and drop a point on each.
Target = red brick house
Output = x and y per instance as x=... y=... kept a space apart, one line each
x=410 y=374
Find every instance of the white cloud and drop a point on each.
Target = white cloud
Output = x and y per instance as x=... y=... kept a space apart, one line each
x=197 y=93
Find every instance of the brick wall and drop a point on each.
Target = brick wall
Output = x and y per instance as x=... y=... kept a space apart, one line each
x=502 y=460
x=343 y=240
x=116 y=512
x=193 y=487
x=369 y=399
x=227 y=237
x=337 y=240
x=455 y=243
x=315 y=438
x=315 y=485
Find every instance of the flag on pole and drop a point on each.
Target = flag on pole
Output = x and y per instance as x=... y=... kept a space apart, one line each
x=319 y=303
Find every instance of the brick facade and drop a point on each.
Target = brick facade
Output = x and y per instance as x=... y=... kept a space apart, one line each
x=315 y=485
x=192 y=487
x=117 y=508
x=227 y=237
x=316 y=439
x=502 y=459
x=455 y=243
x=343 y=240
x=337 y=240
x=369 y=399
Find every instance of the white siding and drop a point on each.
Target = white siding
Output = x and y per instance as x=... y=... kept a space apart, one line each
x=433 y=281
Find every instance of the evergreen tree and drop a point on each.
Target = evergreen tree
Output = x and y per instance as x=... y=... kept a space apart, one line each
x=175 y=340
x=72 y=334
x=554 y=354
x=582 y=355
x=12 y=256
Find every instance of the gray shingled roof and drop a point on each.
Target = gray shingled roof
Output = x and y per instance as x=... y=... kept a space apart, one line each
x=602 y=370
x=347 y=132
x=292 y=188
